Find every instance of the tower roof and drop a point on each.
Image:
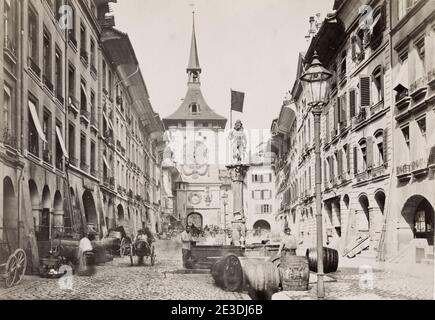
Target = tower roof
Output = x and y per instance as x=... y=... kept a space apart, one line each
x=194 y=97
x=193 y=57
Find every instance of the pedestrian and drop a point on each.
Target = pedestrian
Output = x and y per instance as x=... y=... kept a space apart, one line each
x=186 y=239
x=86 y=255
x=289 y=243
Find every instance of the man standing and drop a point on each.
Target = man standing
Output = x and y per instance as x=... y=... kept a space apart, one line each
x=186 y=239
x=289 y=243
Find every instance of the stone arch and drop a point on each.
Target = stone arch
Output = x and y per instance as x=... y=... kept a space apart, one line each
x=262 y=224
x=380 y=199
x=43 y=230
x=346 y=201
x=90 y=210
x=46 y=198
x=363 y=213
x=120 y=214
x=10 y=214
x=418 y=213
x=195 y=218
x=58 y=212
x=35 y=201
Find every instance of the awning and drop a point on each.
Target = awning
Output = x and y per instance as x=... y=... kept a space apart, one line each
x=402 y=77
x=36 y=122
x=106 y=163
x=61 y=142
x=108 y=121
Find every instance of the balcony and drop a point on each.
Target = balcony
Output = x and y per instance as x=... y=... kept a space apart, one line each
x=403 y=171
x=59 y=163
x=85 y=116
x=343 y=126
x=418 y=88
x=34 y=67
x=47 y=83
x=94 y=71
x=60 y=97
x=376 y=108
x=419 y=167
x=402 y=99
x=84 y=57
x=362 y=176
x=94 y=122
x=378 y=171
x=74 y=161
x=10 y=48
x=72 y=39
x=73 y=105
x=361 y=117
x=84 y=167
x=9 y=139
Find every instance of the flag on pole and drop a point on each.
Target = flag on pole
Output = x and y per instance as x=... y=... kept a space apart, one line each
x=237 y=99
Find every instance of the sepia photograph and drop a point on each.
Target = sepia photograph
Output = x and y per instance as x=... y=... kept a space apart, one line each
x=234 y=151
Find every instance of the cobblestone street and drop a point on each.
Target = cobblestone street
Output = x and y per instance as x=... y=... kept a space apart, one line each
x=165 y=281
x=118 y=280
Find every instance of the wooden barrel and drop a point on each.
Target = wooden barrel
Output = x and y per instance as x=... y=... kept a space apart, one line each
x=227 y=273
x=294 y=273
x=260 y=278
x=257 y=276
x=330 y=259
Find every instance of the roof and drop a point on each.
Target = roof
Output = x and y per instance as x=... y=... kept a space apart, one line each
x=193 y=57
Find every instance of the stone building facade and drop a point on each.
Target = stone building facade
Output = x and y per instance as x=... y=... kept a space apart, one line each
x=60 y=102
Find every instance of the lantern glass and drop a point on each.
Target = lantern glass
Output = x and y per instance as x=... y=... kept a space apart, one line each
x=315 y=82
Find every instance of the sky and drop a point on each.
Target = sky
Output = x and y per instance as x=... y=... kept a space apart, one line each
x=245 y=45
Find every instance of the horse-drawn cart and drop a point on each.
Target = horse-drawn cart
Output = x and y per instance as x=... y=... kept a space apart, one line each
x=12 y=264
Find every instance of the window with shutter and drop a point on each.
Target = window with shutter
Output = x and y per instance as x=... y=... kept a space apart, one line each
x=385 y=146
x=325 y=173
x=355 y=160
x=336 y=114
x=347 y=148
x=364 y=87
x=327 y=126
x=370 y=157
x=340 y=163
x=352 y=103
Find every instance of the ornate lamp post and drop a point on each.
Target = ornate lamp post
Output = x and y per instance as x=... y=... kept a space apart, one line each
x=316 y=87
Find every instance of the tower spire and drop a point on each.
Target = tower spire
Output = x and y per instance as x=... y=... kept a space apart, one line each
x=193 y=66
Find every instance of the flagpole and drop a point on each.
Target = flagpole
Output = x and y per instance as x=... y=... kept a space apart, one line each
x=231 y=110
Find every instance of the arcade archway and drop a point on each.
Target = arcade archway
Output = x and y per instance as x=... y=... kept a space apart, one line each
x=195 y=218
x=10 y=215
x=419 y=215
x=90 y=210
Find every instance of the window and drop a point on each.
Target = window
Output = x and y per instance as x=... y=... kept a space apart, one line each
x=104 y=75
x=7 y=102
x=377 y=27
x=256 y=178
x=422 y=125
x=71 y=81
x=83 y=97
x=377 y=85
x=93 y=155
x=46 y=53
x=58 y=76
x=93 y=116
x=194 y=108
x=33 y=134
x=256 y=194
x=405 y=132
x=83 y=150
x=420 y=222
x=33 y=36
x=363 y=148
x=83 y=40
x=267 y=178
x=46 y=128
x=72 y=143
x=343 y=65
x=93 y=53
x=266 y=208
x=59 y=151
x=402 y=86
x=379 y=137
x=9 y=24
x=404 y=6
x=72 y=30
x=420 y=58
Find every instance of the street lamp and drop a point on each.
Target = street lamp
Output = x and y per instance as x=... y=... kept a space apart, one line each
x=316 y=86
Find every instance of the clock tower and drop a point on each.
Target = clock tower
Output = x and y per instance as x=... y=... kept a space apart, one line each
x=194 y=128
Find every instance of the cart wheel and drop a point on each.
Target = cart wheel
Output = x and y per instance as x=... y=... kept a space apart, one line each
x=11 y=271
x=21 y=256
x=131 y=254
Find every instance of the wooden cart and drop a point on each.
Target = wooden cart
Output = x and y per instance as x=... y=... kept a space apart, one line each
x=142 y=249
x=12 y=264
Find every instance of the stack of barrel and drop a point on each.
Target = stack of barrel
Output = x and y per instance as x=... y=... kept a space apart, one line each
x=330 y=259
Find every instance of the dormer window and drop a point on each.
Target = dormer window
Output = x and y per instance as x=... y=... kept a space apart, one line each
x=194 y=109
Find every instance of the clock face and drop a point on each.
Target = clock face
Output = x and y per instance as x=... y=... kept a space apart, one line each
x=195 y=198
x=198 y=155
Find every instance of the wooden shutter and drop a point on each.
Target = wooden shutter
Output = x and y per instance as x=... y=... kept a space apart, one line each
x=364 y=87
x=352 y=103
x=325 y=173
x=370 y=159
x=384 y=16
x=385 y=146
x=340 y=162
x=355 y=159
x=327 y=126
x=343 y=116
x=336 y=113
x=348 y=157
x=353 y=46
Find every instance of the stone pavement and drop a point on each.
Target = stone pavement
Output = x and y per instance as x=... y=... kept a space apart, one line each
x=366 y=279
x=119 y=281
